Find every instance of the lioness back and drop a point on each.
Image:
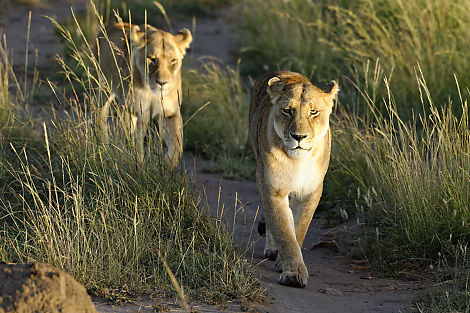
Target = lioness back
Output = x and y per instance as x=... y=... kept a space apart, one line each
x=114 y=63
x=290 y=137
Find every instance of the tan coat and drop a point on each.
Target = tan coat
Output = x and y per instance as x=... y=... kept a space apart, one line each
x=290 y=136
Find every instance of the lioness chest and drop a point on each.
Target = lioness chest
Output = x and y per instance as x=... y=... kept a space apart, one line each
x=294 y=175
x=151 y=101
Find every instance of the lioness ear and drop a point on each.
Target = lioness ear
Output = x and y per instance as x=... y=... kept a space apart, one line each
x=183 y=38
x=136 y=35
x=275 y=86
x=332 y=90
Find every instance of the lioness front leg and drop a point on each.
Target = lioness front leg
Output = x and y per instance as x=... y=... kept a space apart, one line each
x=280 y=222
x=172 y=132
x=303 y=208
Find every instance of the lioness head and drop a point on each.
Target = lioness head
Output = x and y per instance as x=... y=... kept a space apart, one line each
x=300 y=112
x=158 y=55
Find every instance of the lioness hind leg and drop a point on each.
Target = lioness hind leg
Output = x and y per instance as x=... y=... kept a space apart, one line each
x=262 y=225
x=102 y=119
x=270 y=248
x=141 y=130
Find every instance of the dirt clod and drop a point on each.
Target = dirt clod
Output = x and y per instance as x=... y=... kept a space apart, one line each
x=331 y=244
x=40 y=287
x=331 y=291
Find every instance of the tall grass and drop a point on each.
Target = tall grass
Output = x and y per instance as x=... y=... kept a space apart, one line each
x=104 y=219
x=331 y=38
x=411 y=182
x=5 y=105
x=92 y=210
x=216 y=114
x=421 y=176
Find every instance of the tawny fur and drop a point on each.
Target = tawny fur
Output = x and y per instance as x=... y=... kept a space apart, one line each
x=290 y=136
x=142 y=65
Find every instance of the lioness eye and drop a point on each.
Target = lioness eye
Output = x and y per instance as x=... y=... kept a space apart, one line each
x=286 y=111
x=173 y=61
x=314 y=113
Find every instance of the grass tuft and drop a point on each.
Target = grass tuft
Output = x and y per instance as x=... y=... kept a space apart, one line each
x=451 y=291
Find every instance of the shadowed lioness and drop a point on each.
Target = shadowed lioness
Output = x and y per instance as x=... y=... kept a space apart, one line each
x=149 y=60
x=290 y=136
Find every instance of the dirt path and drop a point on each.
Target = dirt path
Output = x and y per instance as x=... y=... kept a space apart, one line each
x=14 y=25
x=336 y=284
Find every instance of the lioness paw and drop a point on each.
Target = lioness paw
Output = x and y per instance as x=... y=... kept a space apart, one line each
x=297 y=278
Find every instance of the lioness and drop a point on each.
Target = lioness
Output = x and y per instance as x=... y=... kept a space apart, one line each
x=151 y=59
x=290 y=136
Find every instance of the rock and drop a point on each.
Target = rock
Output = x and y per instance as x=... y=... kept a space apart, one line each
x=40 y=287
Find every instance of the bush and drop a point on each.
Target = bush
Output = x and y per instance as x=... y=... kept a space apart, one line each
x=103 y=218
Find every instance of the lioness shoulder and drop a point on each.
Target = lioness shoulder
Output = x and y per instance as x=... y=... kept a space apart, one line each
x=290 y=137
x=142 y=65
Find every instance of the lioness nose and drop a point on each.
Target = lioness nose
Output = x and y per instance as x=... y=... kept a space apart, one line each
x=161 y=83
x=297 y=136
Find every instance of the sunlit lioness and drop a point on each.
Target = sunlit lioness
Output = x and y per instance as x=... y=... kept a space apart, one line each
x=149 y=60
x=290 y=136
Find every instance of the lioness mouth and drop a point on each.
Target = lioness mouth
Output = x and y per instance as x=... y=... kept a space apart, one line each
x=300 y=148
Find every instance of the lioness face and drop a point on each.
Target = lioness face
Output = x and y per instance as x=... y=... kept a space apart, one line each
x=300 y=113
x=158 y=56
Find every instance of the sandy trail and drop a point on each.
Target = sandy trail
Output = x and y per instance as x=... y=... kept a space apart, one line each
x=335 y=284
x=14 y=25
